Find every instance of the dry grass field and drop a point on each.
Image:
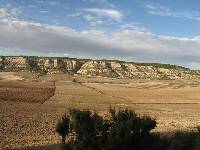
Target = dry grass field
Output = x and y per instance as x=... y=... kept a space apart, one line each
x=29 y=109
x=150 y=92
x=175 y=104
x=13 y=76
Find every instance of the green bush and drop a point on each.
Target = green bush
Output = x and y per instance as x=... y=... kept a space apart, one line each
x=185 y=141
x=63 y=127
x=123 y=129
x=129 y=131
x=74 y=79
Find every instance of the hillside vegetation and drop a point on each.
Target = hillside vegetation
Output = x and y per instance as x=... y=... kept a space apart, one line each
x=104 y=68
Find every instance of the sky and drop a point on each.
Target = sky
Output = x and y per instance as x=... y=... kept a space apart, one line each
x=156 y=31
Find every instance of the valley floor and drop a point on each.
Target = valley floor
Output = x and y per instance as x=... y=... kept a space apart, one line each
x=175 y=105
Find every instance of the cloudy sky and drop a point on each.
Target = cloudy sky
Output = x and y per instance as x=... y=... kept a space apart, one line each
x=163 y=31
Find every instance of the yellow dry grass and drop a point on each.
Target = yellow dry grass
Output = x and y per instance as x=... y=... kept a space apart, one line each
x=175 y=104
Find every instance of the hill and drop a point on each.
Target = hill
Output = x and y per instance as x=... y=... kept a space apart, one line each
x=87 y=67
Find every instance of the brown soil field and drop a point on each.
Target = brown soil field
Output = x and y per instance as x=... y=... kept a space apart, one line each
x=27 y=124
x=175 y=104
x=26 y=91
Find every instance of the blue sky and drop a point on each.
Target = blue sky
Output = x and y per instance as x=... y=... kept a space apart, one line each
x=131 y=30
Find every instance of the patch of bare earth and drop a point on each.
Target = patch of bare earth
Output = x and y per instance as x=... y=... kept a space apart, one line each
x=26 y=91
x=28 y=124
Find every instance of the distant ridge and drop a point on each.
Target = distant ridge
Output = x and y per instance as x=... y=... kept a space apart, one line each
x=88 y=67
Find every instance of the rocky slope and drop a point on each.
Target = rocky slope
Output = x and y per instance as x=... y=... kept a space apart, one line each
x=105 y=68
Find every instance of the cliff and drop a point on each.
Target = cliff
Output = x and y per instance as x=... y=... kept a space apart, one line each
x=105 y=68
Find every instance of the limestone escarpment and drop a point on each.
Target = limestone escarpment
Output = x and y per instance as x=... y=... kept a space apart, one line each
x=13 y=63
x=131 y=70
x=105 y=68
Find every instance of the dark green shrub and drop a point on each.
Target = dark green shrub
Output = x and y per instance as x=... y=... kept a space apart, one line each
x=129 y=131
x=74 y=79
x=63 y=127
x=88 y=128
x=123 y=129
x=185 y=141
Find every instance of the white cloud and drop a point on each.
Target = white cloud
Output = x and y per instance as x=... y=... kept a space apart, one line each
x=26 y=37
x=47 y=2
x=53 y=3
x=6 y=13
x=110 y=13
x=97 y=16
x=44 y=11
x=133 y=27
x=76 y=14
x=93 y=20
x=100 y=1
x=165 y=11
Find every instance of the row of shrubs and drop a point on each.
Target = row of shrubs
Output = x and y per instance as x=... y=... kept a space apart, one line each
x=120 y=130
